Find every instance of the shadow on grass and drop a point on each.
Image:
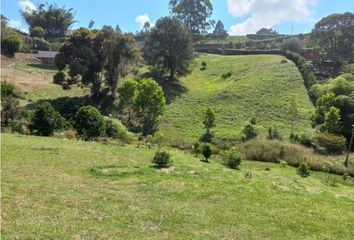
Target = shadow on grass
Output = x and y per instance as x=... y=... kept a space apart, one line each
x=43 y=67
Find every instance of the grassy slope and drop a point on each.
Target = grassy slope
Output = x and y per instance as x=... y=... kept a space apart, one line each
x=260 y=86
x=49 y=192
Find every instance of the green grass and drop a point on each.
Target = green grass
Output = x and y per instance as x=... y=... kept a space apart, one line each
x=51 y=92
x=45 y=67
x=260 y=85
x=49 y=192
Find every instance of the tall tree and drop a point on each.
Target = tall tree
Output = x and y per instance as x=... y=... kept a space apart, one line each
x=146 y=28
x=96 y=57
x=195 y=14
x=55 y=21
x=334 y=35
x=91 y=24
x=168 y=48
x=219 y=30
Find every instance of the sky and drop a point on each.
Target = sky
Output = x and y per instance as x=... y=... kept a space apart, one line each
x=240 y=17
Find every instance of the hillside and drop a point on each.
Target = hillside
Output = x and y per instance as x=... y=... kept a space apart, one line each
x=260 y=86
x=48 y=191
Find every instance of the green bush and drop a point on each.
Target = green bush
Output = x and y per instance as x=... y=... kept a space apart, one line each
x=303 y=170
x=11 y=44
x=207 y=152
x=10 y=110
x=59 y=78
x=249 y=132
x=226 y=74
x=89 y=122
x=304 y=67
x=232 y=159
x=196 y=149
x=204 y=65
x=37 y=32
x=332 y=144
x=273 y=133
x=46 y=120
x=115 y=129
x=7 y=89
x=162 y=159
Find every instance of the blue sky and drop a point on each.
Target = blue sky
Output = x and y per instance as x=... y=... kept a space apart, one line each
x=239 y=16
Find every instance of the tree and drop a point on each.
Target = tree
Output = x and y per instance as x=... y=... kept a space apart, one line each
x=55 y=21
x=118 y=30
x=11 y=44
x=149 y=104
x=91 y=24
x=121 y=56
x=89 y=122
x=266 y=31
x=168 y=48
x=323 y=105
x=46 y=120
x=219 y=30
x=333 y=123
x=96 y=57
x=334 y=34
x=207 y=152
x=146 y=28
x=293 y=112
x=37 y=32
x=127 y=96
x=209 y=122
x=194 y=14
x=293 y=44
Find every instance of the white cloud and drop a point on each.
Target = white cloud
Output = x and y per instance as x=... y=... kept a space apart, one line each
x=142 y=19
x=14 y=24
x=267 y=13
x=26 y=5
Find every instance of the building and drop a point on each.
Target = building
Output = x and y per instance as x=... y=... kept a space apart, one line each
x=47 y=57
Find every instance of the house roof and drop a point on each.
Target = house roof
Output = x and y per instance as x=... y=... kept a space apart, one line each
x=45 y=54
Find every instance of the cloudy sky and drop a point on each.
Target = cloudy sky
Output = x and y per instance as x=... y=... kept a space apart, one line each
x=239 y=16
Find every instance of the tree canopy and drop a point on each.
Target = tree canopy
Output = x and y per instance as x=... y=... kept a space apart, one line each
x=266 y=31
x=55 y=21
x=195 y=14
x=168 y=48
x=219 y=30
x=334 y=34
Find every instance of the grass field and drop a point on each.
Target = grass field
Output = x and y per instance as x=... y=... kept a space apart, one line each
x=260 y=86
x=49 y=192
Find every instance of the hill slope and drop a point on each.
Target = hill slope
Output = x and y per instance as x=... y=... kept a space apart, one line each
x=260 y=86
x=48 y=192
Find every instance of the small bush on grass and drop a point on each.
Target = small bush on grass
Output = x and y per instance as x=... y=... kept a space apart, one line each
x=332 y=144
x=303 y=170
x=7 y=89
x=162 y=159
x=207 y=152
x=226 y=74
x=11 y=44
x=249 y=132
x=46 y=120
x=89 y=123
x=273 y=133
x=196 y=149
x=232 y=159
x=204 y=65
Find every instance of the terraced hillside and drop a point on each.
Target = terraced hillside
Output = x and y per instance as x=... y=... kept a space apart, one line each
x=49 y=192
x=260 y=85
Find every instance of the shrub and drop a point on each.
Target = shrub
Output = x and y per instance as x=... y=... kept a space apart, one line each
x=11 y=44
x=305 y=140
x=46 y=120
x=303 y=170
x=7 y=89
x=332 y=144
x=207 y=137
x=204 y=64
x=273 y=133
x=162 y=159
x=59 y=78
x=283 y=61
x=292 y=44
x=10 y=110
x=37 y=32
x=226 y=74
x=115 y=129
x=232 y=159
x=196 y=149
x=249 y=132
x=207 y=152
x=89 y=122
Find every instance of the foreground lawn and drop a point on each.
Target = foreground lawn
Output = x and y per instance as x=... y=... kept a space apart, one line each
x=49 y=192
x=260 y=85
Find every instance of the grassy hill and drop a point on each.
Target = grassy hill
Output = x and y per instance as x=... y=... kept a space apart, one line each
x=260 y=86
x=48 y=191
